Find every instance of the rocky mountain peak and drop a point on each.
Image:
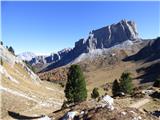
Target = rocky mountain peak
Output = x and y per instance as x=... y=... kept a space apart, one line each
x=108 y=36
x=105 y=37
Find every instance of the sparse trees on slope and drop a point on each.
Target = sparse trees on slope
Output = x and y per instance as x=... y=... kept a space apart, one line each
x=95 y=93
x=75 y=90
x=126 y=85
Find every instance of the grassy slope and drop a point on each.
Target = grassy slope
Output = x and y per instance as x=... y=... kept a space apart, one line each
x=30 y=88
x=100 y=76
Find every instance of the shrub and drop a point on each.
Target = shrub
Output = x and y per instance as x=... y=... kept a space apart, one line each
x=95 y=93
x=115 y=88
x=75 y=90
x=126 y=85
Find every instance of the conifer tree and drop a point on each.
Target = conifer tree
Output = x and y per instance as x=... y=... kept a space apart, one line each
x=75 y=90
x=115 y=88
x=126 y=85
x=95 y=93
x=11 y=50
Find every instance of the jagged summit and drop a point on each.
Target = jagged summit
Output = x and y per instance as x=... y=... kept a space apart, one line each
x=108 y=36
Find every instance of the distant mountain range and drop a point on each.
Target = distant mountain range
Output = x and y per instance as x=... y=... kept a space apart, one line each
x=26 y=56
x=41 y=61
x=35 y=59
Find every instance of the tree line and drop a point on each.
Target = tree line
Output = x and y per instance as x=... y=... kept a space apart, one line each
x=10 y=48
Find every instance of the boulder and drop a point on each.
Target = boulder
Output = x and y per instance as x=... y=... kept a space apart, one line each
x=107 y=101
x=70 y=115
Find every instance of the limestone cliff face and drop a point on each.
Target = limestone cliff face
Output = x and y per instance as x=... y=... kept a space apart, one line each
x=108 y=36
x=105 y=37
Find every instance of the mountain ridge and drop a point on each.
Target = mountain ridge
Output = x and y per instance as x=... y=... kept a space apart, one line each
x=105 y=37
x=101 y=38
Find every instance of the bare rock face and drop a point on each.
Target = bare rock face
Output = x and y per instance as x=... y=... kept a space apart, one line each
x=108 y=36
x=115 y=34
x=105 y=37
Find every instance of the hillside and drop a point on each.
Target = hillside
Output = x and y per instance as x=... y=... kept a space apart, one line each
x=118 y=54
x=103 y=57
x=22 y=91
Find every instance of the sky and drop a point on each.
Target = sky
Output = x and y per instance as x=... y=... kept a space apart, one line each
x=45 y=27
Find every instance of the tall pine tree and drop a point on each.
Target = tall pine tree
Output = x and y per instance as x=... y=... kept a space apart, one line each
x=75 y=90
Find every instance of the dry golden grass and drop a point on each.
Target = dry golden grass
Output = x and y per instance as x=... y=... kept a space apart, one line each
x=41 y=91
x=152 y=105
x=100 y=76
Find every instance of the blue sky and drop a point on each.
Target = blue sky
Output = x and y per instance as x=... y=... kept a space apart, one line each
x=45 y=27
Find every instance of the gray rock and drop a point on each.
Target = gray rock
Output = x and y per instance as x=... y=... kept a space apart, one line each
x=111 y=35
x=107 y=37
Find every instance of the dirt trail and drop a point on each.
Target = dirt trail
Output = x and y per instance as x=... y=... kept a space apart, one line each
x=140 y=103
